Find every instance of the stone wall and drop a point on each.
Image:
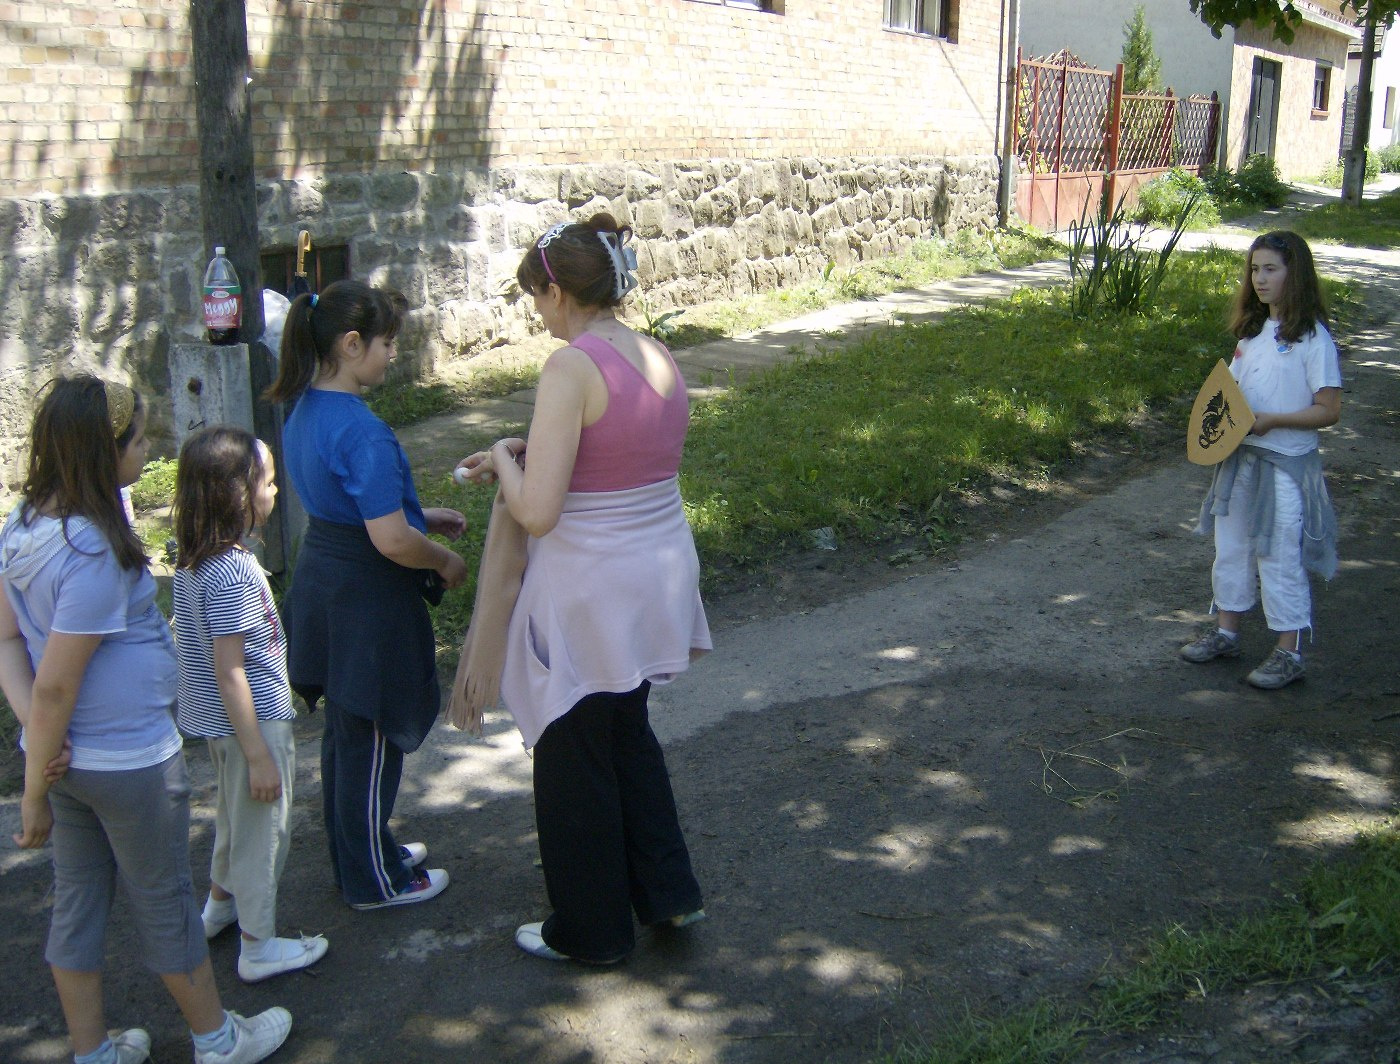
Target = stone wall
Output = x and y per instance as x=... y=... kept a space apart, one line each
x=108 y=282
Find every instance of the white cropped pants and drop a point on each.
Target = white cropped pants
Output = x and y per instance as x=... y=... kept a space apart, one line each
x=1282 y=580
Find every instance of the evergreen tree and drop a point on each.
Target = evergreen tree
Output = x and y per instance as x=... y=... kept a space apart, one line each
x=1142 y=70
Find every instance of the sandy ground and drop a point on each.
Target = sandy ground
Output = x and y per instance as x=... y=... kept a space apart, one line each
x=971 y=782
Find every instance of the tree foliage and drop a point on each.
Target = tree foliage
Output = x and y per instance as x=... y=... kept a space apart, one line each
x=1142 y=70
x=1284 y=16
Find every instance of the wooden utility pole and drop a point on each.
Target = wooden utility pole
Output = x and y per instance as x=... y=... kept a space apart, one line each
x=228 y=206
x=228 y=194
x=1354 y=161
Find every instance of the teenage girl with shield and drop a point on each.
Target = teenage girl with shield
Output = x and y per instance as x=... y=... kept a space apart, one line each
x=1268 y=502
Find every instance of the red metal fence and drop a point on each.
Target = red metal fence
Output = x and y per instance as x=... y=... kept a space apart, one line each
x=1079 y=136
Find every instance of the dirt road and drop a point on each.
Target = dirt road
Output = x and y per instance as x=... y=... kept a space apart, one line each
x=970 y=782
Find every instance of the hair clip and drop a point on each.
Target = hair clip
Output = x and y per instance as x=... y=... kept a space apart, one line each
x=624 y=263
x=314 y=300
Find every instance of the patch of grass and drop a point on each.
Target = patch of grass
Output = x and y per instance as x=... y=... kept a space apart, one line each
x=407 y=402
x=868 y=440
x=1375 y=223
x=1342 y=924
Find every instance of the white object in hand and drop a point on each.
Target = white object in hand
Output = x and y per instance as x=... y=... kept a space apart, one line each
x=461 y=474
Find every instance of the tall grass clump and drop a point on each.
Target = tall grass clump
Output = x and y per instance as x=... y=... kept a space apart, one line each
x=1110 y=265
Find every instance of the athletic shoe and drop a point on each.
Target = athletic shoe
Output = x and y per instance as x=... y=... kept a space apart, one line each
x=413 y=853
x=254 y=1039
x=1279 y=669
x=280 y=955
x=1212 y=644
x=686 y=919
x=133 y=1046
x=530 y=938
x=218 y=916
x=425 y=885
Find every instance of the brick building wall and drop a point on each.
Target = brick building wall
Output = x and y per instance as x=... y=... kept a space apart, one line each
x=434 y=137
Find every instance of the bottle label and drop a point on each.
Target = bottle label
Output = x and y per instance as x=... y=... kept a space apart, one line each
x=223 y=307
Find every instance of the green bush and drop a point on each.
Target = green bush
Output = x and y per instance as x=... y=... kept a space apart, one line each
x=156 y=488
x=1255 y=184
x=1160 y=201
x=1331 y=176
x=1388 y=158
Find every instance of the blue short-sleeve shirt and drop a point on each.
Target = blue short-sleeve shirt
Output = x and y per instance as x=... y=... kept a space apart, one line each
x=347 y=465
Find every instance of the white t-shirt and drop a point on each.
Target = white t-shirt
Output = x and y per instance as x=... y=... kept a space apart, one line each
x=1277 y=377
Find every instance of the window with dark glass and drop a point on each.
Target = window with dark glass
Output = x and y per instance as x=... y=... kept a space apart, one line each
x=1322 y=85
x=323 y=265
x=931 y=17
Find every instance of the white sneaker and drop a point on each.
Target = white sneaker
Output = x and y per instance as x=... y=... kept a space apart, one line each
x=413 y=853
x=218 y=916
x=133 y=1046
x=254 y=1039
x=280 y=955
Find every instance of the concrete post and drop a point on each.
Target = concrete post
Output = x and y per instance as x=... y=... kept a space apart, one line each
x=214 y=386
x=209 y=386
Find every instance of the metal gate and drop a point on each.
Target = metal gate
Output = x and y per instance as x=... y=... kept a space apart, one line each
x=1079 y=137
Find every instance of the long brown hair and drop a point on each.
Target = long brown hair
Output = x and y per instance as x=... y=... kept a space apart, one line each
x=215 y=482
x=316 y=322
x=73 y=463
x=1303 y=304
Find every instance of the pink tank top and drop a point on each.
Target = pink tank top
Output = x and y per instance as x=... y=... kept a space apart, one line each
x=639 y=438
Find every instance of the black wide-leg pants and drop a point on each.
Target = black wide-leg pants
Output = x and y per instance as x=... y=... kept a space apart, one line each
x=610 y=839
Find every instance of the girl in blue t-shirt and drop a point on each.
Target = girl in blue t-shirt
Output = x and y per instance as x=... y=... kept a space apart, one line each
x=233 y=690
x=358 y=631
x=87 y=663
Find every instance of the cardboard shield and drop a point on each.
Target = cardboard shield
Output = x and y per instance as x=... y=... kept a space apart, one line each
x=1220 y=419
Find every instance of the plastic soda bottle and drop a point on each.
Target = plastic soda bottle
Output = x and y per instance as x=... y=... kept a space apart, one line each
x=223 y=300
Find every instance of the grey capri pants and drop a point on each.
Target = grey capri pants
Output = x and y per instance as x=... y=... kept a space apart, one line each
x=132 y=824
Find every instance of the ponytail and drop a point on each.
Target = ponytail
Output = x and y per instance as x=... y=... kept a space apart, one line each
x=315 y=324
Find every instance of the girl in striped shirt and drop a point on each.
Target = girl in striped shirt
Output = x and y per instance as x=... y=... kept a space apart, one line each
x=234 y=690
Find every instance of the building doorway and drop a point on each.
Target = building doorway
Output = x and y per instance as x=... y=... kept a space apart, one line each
x=1263 y=107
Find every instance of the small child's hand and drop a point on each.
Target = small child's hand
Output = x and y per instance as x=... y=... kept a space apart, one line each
x=264 y=781
x=57 y=768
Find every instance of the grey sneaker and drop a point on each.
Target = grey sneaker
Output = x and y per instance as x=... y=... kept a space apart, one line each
x=1212 y=644
x=255 y=1038
x=1279 y=669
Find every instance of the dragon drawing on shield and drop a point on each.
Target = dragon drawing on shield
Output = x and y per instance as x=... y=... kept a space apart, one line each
x=1217 y=413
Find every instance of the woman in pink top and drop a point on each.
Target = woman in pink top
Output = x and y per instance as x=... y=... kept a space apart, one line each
x=608 y=605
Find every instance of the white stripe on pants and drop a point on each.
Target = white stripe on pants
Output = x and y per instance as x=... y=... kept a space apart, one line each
x=251 y=838
x=1282 y=580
